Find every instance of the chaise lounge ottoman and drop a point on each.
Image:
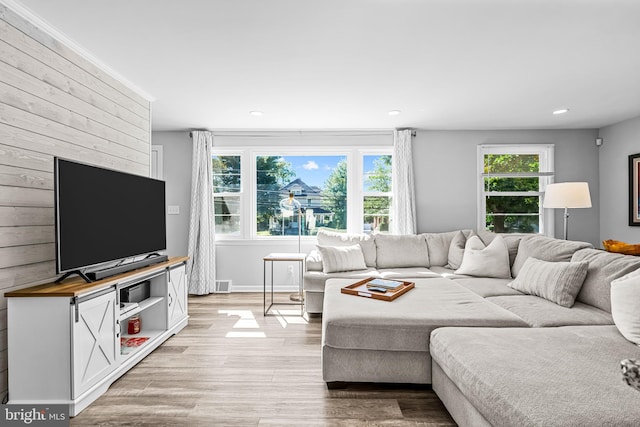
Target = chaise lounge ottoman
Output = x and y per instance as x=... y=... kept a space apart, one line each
x=367 y=340
x=565 y=376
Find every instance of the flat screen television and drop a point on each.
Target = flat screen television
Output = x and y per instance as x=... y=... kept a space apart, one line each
x=103 y=215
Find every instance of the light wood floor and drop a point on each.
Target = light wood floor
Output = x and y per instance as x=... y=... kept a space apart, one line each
x=234 y=367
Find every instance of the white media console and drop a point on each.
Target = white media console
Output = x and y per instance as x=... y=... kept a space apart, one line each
x=67 y=342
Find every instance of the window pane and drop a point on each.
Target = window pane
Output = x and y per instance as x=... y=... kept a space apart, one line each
x=227 y=214
x=319 y=187
x=226 y=174
x=512 y=204
x=377 y=173
x=505 y=163
x=513 y=223
x=511 y=184
x=376 y=214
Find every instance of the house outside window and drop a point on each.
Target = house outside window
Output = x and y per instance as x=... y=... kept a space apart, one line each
x=318 y=185
x=341 y=188
x=511 y=184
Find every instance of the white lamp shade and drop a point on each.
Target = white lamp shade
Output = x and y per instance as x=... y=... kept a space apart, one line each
x=567 y=195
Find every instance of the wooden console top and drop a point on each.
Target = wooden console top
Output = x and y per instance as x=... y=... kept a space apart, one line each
x=76 y=286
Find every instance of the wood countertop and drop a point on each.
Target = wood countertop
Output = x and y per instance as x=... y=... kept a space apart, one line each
x=76 y=286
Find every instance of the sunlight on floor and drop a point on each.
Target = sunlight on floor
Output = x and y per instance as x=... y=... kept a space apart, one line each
x=247 y=321
x=289 y=317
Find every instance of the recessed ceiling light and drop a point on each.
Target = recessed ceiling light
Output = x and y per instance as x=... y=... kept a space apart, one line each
x=255 y=113
x=561 y=111
x=394 y=112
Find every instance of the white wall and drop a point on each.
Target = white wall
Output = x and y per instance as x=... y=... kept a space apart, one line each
x=446 y=175
x=620 y=140
x=445 y=168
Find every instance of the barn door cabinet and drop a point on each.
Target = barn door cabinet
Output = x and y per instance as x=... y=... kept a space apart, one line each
x=68 y=342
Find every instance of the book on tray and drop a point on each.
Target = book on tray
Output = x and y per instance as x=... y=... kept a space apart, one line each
x=384 y=283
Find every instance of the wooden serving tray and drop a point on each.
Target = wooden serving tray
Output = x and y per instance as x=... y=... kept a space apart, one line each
x=360 y=289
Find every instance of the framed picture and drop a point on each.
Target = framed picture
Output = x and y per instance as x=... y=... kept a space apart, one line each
x=634 y=189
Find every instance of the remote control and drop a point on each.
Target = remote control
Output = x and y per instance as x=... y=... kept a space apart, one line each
x=381 y=290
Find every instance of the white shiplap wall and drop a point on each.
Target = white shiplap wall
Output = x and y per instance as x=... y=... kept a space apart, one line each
x=53 y=102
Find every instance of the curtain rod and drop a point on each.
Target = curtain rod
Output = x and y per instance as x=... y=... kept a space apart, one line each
x=413 y=132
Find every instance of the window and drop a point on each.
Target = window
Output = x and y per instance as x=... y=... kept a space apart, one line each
x=318 y=185
x=227 y=188
x=512 y=179
x=342 y=188
x=376 y=193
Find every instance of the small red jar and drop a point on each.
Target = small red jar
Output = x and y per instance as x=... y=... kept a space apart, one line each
x=134 y=325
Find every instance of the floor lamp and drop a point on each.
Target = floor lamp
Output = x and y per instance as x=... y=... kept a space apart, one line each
x=291 y=205
x=567 y=195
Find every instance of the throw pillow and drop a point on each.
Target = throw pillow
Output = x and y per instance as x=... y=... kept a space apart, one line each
x=342 y=258
x=557 y=282
x=331 y=238
x=511 y=239
x=456 y=250
x=625 y=305
x=313 y=261
x=485 y=261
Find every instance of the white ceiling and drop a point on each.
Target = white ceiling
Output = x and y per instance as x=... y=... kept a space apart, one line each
x=343 y=64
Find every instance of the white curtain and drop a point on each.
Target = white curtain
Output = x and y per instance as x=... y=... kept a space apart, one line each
x=404 y=207
x=201 y=266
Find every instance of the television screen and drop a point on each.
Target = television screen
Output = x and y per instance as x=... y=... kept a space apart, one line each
x=103 y=215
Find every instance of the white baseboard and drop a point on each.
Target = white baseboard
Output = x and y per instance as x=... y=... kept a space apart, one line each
x=260 y=288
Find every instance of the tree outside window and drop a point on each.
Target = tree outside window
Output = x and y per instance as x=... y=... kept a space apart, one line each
x=227 y=188
x=513 y=181
x=377 y=193
x=318 y=183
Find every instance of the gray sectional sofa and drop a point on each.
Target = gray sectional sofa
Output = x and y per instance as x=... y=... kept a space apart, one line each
x=538 y=348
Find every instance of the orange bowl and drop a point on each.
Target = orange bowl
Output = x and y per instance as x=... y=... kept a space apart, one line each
x=621 y=247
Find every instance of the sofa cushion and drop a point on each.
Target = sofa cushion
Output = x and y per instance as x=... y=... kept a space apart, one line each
x=625 y=305
x=341 y=258
x=485 y=261
x=401 y=251
x=407 y=273
x=557 y=282
x=331 y=238
x=404 y=324
x=446 y=272
x=538 y=312
x=486 y=286
x=548 y=377
x=315 y=280
x=439 y=244
x=545 y=249
x=604 y=267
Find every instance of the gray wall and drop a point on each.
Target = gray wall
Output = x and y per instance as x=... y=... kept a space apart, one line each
x=620 y=140
x=446 y=175
x=176 y=166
